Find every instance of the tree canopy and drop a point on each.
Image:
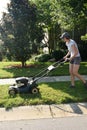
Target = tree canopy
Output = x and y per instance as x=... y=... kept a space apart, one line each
x=23 y=27
x=19 y=29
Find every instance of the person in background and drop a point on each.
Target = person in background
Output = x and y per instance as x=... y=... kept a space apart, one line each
x=74 y=59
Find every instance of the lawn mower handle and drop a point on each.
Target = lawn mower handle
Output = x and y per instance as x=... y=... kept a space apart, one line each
x=61 y=61
x=45 y=71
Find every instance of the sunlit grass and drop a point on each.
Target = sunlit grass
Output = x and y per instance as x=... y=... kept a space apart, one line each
x=8 y=69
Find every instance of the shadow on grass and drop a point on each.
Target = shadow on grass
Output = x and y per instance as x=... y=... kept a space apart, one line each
x=77 y=94
x=56 y=93
x=27 y=71
x=36 y=68
x=72 y=96
x=19 y=72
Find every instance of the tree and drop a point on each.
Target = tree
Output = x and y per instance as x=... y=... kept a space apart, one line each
x=18 y=28
x=62 y=15
x=47 y=19
x=71 y=13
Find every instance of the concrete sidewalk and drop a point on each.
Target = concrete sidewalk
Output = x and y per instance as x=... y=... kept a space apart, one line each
x=43 y=111
x=44 y=79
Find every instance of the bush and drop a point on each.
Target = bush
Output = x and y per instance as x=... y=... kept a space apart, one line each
x=58 y=54
x=43 y=57
x=83 y=51
x=84 y=38
x=0 y=57
x=61 y=45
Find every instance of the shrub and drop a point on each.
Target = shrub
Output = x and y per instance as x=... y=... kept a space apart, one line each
x=84 y=38
x=61 y=45
x=58 y=54
x=0 y=57
x=43 y=57
x=83 y=51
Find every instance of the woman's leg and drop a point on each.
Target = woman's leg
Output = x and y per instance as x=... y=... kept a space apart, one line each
x=75 y=72
x=71 y=74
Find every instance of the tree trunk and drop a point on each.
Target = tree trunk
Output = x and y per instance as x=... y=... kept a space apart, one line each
x=23 y=64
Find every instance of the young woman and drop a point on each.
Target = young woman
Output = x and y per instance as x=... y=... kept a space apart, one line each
x=74 y=59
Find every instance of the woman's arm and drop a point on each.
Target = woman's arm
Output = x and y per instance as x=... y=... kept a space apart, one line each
x=68 y=54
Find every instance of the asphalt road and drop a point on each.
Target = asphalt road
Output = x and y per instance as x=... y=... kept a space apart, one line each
x=66 y=123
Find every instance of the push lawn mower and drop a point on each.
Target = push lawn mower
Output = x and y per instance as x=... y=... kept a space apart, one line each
x=23 y=85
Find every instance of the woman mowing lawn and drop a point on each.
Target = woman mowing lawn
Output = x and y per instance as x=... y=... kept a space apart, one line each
x=74 y=59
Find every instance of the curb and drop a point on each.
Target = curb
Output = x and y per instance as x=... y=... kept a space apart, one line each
x=43 y=111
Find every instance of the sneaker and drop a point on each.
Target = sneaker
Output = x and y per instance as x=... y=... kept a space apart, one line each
x=85 y=84
x=72 y=86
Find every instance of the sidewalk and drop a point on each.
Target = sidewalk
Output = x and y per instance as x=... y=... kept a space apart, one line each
x=44 y=79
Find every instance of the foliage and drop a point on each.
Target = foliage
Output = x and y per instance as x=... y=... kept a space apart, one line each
x=23 y=28
x=72 y=14
x=83 y=47
x=2 y=50
x=58 y=54
x=61 y=45
x=46 y=17
x=79 y=9
x=43 y=57
x=57 y=16
x=19 y=29
x=83 y=51
x=84 y=38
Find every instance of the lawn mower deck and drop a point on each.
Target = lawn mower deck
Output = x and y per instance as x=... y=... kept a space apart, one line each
x=23 y=85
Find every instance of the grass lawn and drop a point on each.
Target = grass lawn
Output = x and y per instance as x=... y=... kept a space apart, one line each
x=13 y=69
x=50 y=93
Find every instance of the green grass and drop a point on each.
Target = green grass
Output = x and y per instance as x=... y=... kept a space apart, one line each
x=7 y=71
x=50 y=93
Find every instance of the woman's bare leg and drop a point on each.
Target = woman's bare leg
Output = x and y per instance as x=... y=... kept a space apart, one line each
x=75 y=72
x=71 y=74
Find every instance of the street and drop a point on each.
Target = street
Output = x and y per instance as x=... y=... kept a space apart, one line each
x=66 y=123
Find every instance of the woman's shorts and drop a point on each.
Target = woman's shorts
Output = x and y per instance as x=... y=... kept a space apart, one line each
x=76 y=60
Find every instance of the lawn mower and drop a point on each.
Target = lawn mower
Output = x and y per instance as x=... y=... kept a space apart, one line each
x=23 y=85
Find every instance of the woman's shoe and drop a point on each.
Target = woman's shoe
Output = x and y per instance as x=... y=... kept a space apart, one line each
x=85 y=84
x=72 y=86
